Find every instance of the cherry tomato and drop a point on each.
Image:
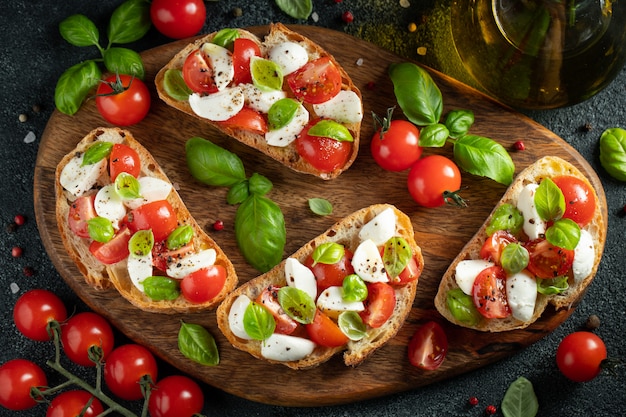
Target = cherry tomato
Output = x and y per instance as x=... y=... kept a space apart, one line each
x=114 y=250
x=157 y=215
x=124 y=368
x=409 y=274
x=178 y=19
x=123 y=158
x=398 y=148
x=379 y=305
x=325 y=154
x=580 y=203
x=72 y=403
x=546 y=260
x=198 y=73
x=489 y=293
x=243 y=50
x=204 y=284
x=34 y=310
x=81 y=210
x=17 y=376
x=316 y=82
x=430 y=177
x=247 y=119
x=494 y=244
x=331 y=275
x=176 y=396
x=428 y=346
x=324 y=332
x=269 y=299
x=162 y=256
x=580 y=355
x=83 y=331
x=128 y=106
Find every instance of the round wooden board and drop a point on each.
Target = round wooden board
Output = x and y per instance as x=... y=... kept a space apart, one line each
x=440 y=232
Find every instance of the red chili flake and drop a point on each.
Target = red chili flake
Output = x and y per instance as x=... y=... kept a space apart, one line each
x=519 y=146
x=19 y=219
x=473 y=401
x=347 y=17
x=218 y=225
x=491 y=409
x=16 y=252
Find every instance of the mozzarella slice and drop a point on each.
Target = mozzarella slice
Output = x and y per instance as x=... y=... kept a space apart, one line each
x=521 y=294
x=139 y=268
x=345 y=107
x=533 y=225
x=235 y=316
x=301 y=277
x=332 y=303
x=260 y=100
x=285 y=348
x=109 y=204
x=290 y=56
x=151 y=189
x=222 y=64
x=381 y=228
x=77 y=179
x=368 y=264
x=288 y=133
x=219 y=106
x=466 y=272
x=191 y=263
x=584 y=256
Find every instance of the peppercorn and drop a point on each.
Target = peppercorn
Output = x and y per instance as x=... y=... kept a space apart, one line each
x=218 y=225
x=16 y=252
x=237 y=12
x=473 y=401
x=593 y=322
x=19 y=219
x=519 y=145
x=347 y=17
x=490 y=410
x=23 y=117
x=28 y=271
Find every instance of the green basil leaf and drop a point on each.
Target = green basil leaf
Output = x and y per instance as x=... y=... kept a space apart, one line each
x=100 y=229
x=549 y=200
x=159 y=288
x=417 y=94
x=174 y=85
x=259 y=184
x=238 y=193
x=396 y=255
x=260 y=232
x=613 y=152
x=97 y=152
x=484 y=157
x=459 y=122
x=74 y=85
x=354 y=288
x=506 y=217
x=181 y=236
x=258 y=322
x=520 y=400
x=298 y=9
x=127 y=186
x=124 y=61
x=129 y=22
x=433 y=136
x=297 y=304
x=552 y=286
x=282 y=112
x=266 y=75
x=328 y=253
x=196 y=343
x=462 y=307
x=564 y=233
x=141 y=243
x=225 y=37
x=320 y=206
x=331 y=129
x=514 y=258
x=351 y=324
x=213 y=165
x=79 y=30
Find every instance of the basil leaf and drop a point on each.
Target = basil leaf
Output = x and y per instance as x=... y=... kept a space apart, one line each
x=552 y=286
x=298 y=9
x=260 y=232
x=462 y=307
x=459 y=122
x=520 y=400
x=141 y=243
x=564 y=233
x=297 y=304
x=238 y=193
x=396 y=256
x=613 y=152
x=79 y=30
x=225 y=37
x=433 y=136
x=266 y=74
x=258 y=184
x=328 y=253
x=124 y=61
x=196 y=343
x=417 y=94
x=129 y=22
x=179 y=237
x=74 y=85
x=549 y=200
x=514 y=258
x=320 y=206
x=258 y=322
x=351 y=324
x=282 y=112
x=174 y=85
x=331 y=129
x=127 y=186
x=506 y=217
x=100 y=229
x=97 y=152
x=213 y=165
x=484 y=157
x=160 y=288
x=354 y=288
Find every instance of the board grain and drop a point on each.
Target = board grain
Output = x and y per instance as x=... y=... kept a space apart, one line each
x=440 y=232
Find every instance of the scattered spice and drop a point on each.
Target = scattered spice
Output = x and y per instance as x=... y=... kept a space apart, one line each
x=421 y=50
x=371 y=85
x=347 y=17
x=28 y=271
x=218 y=225
x=412 y=27
x=359 y=62
x=36 y=108
x=519 y=146
x=237 y=12
x=23 y=117
x=593 y=322
x=490 y=410
x=19 y=219
x=587 y=127
x=473 y=401
x=16 y=252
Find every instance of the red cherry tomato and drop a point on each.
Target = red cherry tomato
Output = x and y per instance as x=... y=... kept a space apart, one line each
x=324 y=332
x=379 y=305
x=203 y=285
x=398 y=149
x=269 y=299
x=123 y=158
x=72 y=403
x=81 y=211
x=430 y=177
x=34 y=310
x=124 y=368
x=159 y=216
x=243 y=50
x=546 y=260
x=580 y=202
x=176 y=396
x=247 y=119
x=84 y=331
x=580 y=355
x=428 y=346
x=198 y=73
x=331 y=275
x=494 y=244
x=409 y=274
x=325 y=154
x=316 y=82
x=128 y=106
x=17 y=376
x=178 y=19
x=489 y=293
x=114 y=250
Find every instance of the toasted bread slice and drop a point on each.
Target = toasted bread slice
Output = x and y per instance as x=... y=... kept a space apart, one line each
x=546 y=167
x=346 y=233
x=287 y=155
x=102 y=276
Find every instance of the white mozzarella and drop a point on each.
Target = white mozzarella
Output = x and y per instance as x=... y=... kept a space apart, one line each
x=368 y=264
x=150 y=189
x=331 y=302
x=260 y=100
x=139 y=268
x=285 y=348
x=584 y=256
x=77 y=179
x=289 y=56
x=381 y=228
x=521 y=294
x=301 y=277
x=219 y=106
x=466 y=272
x=222 y=64
x=533 y=225
x=235 y=316
x=191 y=263
x=288 y=133
x=109 y=204
x=345 y=107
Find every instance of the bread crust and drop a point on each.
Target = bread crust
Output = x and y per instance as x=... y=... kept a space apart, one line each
x=344 y=232
x=101 y=276
x=287 y=155
x=546 y=167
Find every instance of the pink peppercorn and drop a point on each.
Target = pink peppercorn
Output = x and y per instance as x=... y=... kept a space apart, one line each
x=347 y=17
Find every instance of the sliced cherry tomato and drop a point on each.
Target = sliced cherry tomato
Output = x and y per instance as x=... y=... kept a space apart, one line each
x=398 y=148
x=81 y=210
x=580 y=355
x=489 y=293
x=428 y=346
x=379 y=305
x=430 y=177
x=72 y=403
x=162 y=257
x=546 y=260
x=325 y=332
x=325 y=154
x=114 y=250
x=204 y=284
x=176 y=396
x=247 y=119
x=269 y=299
x=316 y=82
x=125 y=367
x=159 y=216
x=178 y=19
x=494 y=244
x=83 y=331
x=243 y=50
x=34 y=310
x=198 y=73
x=17 y=376
x=580 y=202
x=409 y=274
x=331 y=275
x=125 y=102
x=123 y=158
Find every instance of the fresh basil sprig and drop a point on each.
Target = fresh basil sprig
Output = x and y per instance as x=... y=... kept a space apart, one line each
x=298 y=9
x=196 y=343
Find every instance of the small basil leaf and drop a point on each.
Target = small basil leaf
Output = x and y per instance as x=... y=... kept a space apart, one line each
x=520 y=400
x=506 y=217
x=564 y=233
x=351 y=324
x=298 y=9
x=613 y=152
x=433 y=136
x=331 y=129
x=141 y=243
x=396 y=256
x=100 y=229
x=213 y=165
x=484 y=157
x=282 y=112
x=124 y=61
x=514 y=258
x=258 y=322
x=174 y=85
x=320 y=206
x=97 y=152
x=266 y=74
x=462 y=307
x=78 y=30
x=74 y=85
x=553 y=285
x=549 y=200
x=297 y=304
x=196 y=343
x=160 y=288
x=127 y=186
x=328 y=253
x=354 y=288
x=181 y=236
x=238 y=193
x=259 y=184
x=129 y=22
x=417 y=94
x=225 y=37
x=459 y=122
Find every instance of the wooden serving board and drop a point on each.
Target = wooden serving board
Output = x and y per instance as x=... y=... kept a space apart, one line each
x=440 y=232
